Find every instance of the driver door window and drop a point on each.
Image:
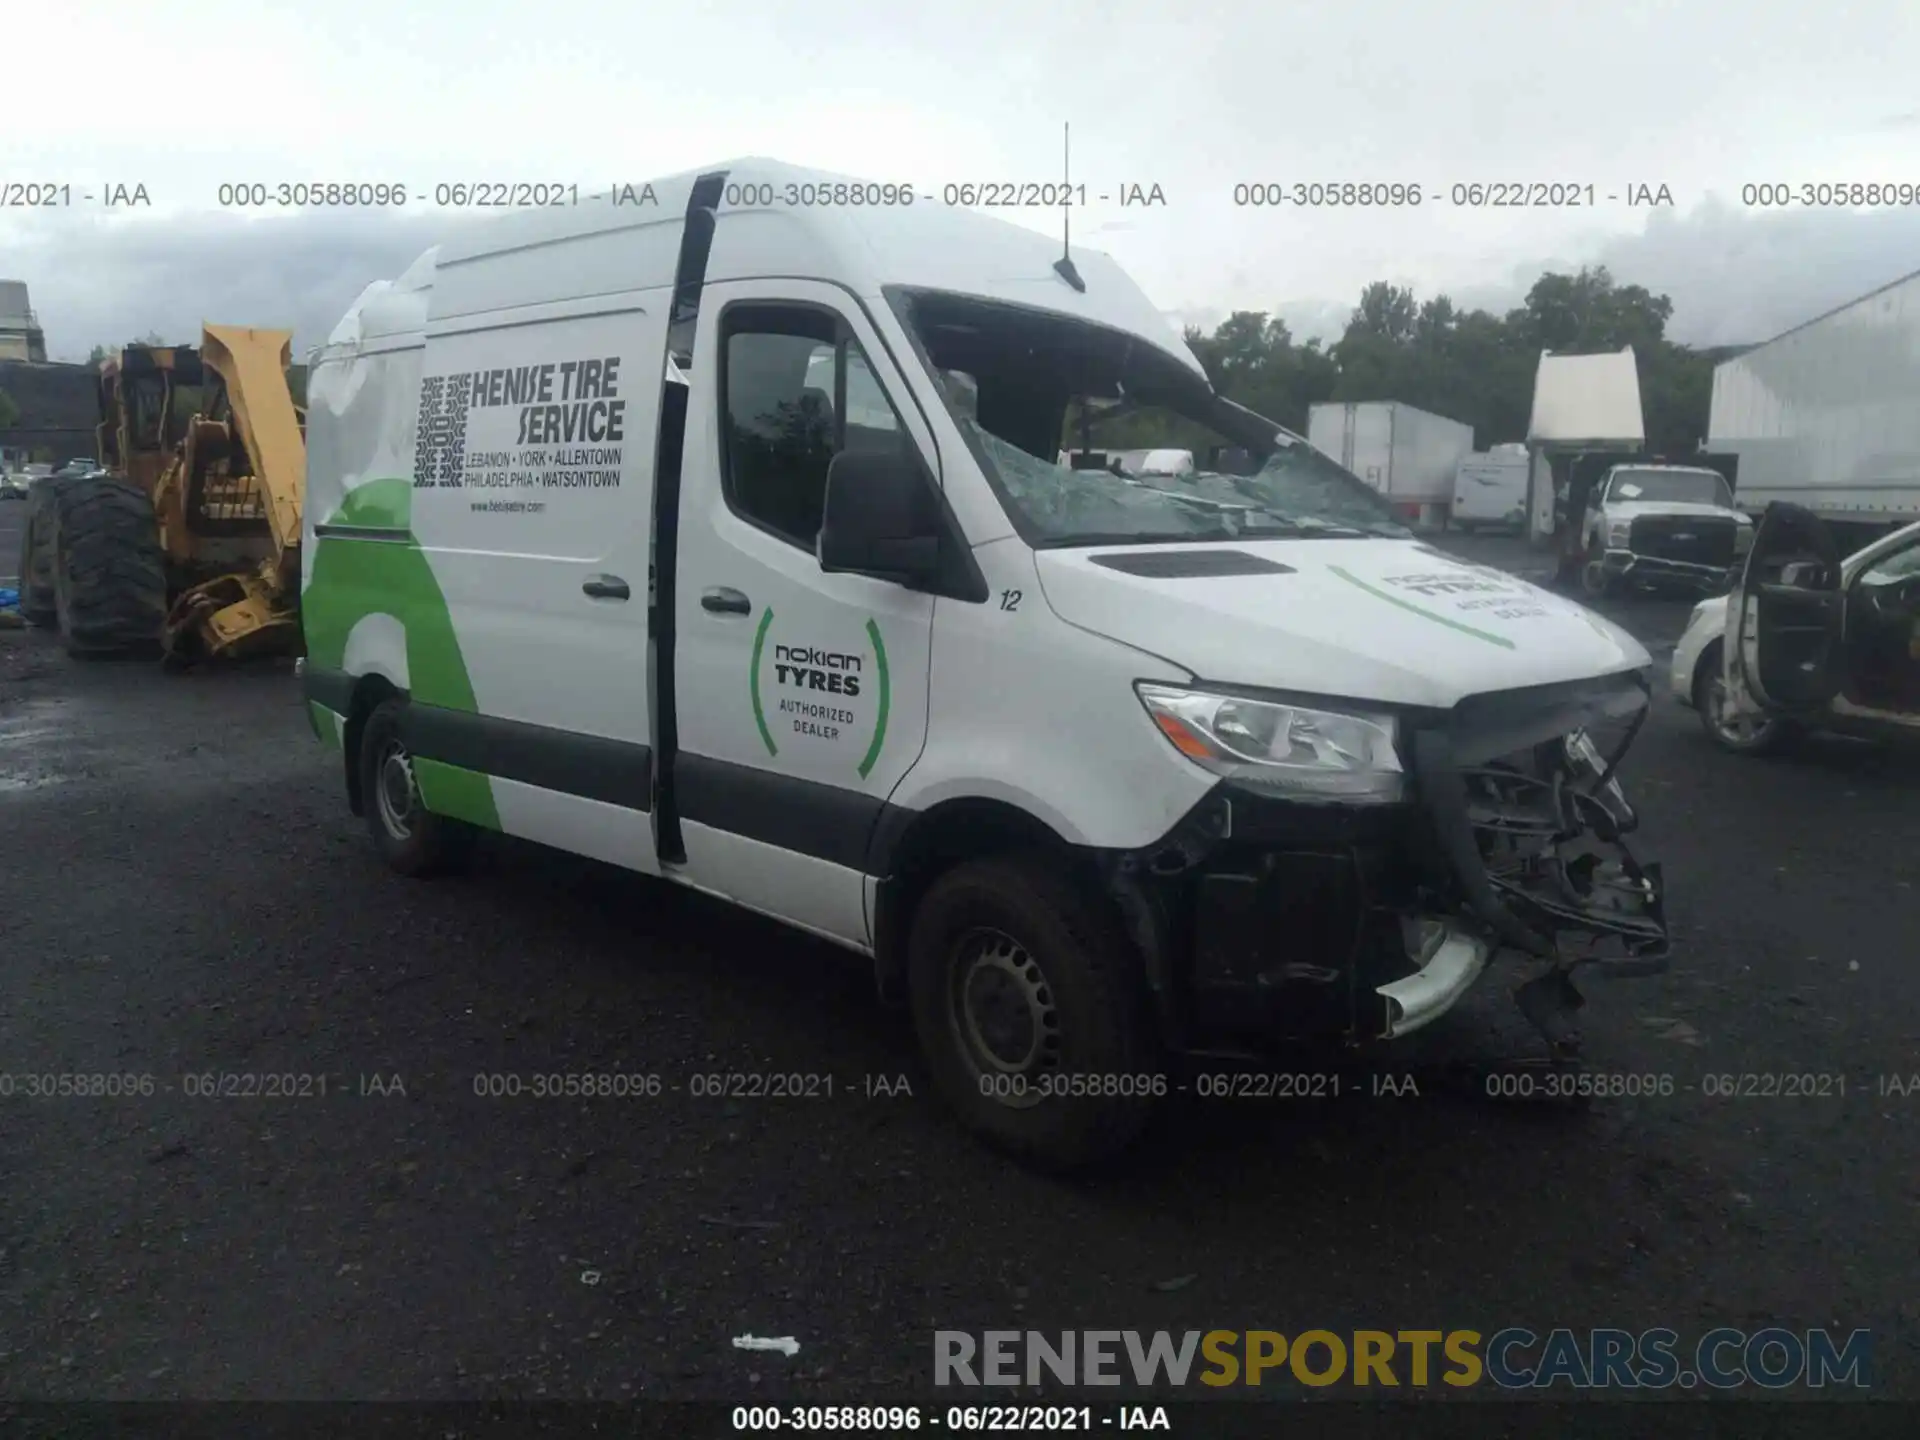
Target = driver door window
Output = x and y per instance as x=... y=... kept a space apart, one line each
x=797 y=393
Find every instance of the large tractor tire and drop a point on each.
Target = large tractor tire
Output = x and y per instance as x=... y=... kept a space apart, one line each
x=37 y=603
x=109 y=573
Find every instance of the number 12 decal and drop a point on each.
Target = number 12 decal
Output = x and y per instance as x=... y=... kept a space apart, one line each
x=1009 y=599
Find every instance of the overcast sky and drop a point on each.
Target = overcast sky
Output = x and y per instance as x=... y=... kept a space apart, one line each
x=1702 y=98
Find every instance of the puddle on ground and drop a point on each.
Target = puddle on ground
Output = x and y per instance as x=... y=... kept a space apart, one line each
x=13 y=784
x=28 y=740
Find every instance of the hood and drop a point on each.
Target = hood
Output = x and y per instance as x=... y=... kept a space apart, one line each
x=1632 y=509
x=1390 y=621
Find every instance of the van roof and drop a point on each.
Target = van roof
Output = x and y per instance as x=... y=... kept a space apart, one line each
x=925 y=244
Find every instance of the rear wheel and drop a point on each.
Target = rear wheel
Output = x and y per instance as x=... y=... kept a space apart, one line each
x=1741 y=734
x=109 y=574
x=1033 y=1023
x=410 y=838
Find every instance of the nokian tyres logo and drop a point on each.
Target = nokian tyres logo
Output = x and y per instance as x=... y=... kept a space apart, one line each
x=818 y=697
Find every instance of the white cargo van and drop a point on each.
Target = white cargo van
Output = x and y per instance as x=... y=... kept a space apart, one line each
x=723 y=537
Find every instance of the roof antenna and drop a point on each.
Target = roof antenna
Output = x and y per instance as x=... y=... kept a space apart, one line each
x=1064 y=265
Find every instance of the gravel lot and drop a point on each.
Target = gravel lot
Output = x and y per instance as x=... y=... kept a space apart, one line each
x=183 y=892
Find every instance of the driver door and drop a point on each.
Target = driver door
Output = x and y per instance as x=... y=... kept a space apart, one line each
x=1790 y=614
x=801 y=696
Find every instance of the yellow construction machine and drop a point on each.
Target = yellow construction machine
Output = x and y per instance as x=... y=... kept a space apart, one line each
x=186 y=540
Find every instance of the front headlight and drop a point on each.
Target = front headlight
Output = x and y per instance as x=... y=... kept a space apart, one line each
x=1286 y=750
x=1742 y=539
x=1619 y=532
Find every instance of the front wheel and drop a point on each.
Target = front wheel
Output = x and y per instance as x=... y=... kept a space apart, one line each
x=410 y=838
x=1595 y=582
x=1032 y=1020
x=1741 y=734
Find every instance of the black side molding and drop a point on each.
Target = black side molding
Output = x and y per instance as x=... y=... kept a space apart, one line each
x=332 y=689
x=615 y=772
x=804 y=816
x=840 y=826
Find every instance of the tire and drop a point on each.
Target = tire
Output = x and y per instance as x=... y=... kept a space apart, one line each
x=1763 y=737
x=1595 y=583
x=410 y=838
x=109 y=574
x=37 y=600
x=1072 y=1005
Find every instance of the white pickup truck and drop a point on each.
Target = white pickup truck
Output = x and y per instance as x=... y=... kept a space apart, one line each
x=1662 y=524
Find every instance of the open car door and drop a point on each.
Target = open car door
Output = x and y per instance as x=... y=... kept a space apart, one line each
x=1789 y=612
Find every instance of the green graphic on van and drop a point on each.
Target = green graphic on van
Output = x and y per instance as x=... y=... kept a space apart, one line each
x=1501 y=640
x=820 y=692
x=353 y=578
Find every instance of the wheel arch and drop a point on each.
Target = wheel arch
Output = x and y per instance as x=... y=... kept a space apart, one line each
x=929 y=843
x=1710 y=654
x=369 y=691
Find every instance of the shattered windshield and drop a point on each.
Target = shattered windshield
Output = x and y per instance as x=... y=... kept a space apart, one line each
x=1092 y=436
x=1676 y=487
x=1296 y=491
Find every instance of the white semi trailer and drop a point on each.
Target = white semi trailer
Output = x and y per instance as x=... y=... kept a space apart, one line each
x=1410 y=456
x=1827 y=416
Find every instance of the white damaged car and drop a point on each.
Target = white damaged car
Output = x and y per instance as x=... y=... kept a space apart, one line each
x=1825 y=642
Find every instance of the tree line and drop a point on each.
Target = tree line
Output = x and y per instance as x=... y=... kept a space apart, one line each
x=1472 y=366
x=1469 y=365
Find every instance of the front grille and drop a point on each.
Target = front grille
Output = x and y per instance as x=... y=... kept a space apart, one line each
x=1705 y=540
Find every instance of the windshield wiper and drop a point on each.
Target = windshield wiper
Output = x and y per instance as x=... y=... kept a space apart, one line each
x=1282 y=530
x=1305 y=529
x=1134 y=537
x=1326 y=529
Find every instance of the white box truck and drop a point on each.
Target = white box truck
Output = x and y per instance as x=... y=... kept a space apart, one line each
x=1102 y=776
x=1410 y=456
x=1490 y=490
x=1827 y=416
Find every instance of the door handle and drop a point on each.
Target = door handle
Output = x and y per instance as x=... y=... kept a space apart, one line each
x=606 y=587
x=723 y=601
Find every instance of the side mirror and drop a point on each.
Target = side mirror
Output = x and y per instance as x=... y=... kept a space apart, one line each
x=878 y=519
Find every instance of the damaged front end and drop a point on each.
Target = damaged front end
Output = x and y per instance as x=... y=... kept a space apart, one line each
x=1268 y=921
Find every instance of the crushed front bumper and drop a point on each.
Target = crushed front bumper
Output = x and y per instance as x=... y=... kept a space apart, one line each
x=1267 y=923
